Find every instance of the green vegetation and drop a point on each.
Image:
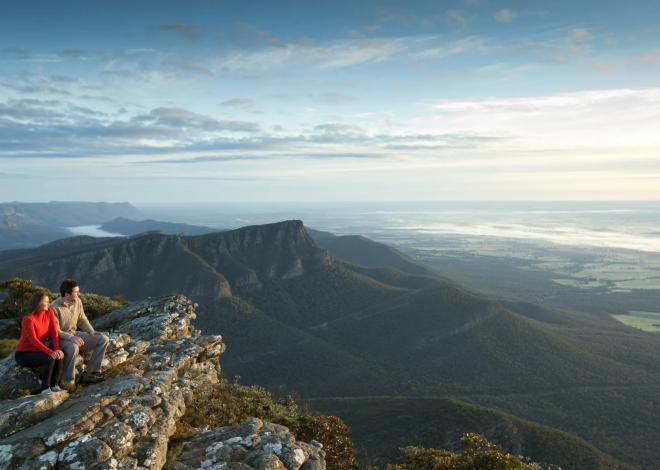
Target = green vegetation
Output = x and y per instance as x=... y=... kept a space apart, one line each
x=381 y=425
x=647 y=321
x=19 y=291
x=7 y=347
x=97 y=305
x=18 y=294
x=478 y=454
x=225 y=404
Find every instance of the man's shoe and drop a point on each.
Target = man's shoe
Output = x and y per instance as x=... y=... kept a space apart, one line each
x=46 y=391
x=56 y=388
x=91 y=378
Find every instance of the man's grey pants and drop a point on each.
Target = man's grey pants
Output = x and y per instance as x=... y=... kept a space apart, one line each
x=98 y=343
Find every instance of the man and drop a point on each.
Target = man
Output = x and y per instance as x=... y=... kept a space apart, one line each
x=70 y=315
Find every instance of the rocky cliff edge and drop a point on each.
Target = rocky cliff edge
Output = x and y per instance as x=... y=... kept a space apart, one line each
x=154 y=363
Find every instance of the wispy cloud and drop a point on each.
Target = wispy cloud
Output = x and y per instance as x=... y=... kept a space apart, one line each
x=650 y=57
x=337 y=97
x=580 y=34
x=238 y=102
x=505 y=16
x=188 y=30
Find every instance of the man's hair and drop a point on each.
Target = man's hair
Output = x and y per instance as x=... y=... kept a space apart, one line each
x=67 y=287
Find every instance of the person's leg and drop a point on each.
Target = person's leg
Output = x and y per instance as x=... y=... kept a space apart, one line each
x=98 y=344
x=57 y=372
x=70 y=351
x=35 y=359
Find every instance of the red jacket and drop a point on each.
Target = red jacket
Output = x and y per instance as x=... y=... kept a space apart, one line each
x=35 y=330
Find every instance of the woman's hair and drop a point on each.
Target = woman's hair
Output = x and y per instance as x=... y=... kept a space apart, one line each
x=34 y=302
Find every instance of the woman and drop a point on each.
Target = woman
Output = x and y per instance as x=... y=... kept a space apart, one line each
x=31 y=351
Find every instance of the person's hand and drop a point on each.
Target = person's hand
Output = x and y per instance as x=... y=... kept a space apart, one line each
x=77 y=340
x=94 y=333
x=57 y=354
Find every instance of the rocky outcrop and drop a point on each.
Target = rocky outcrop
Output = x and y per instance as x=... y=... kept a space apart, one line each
x=254 y=444
x=154 y=362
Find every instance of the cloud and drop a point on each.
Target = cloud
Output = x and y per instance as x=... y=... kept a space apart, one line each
x=189 y=30
x=182 y=118
x=651 y=57
x=336 y=97
x=238 y=102
x=603 y=66
x=579 y=34
x=185 y=64
x=325 y=56
x=599 y=118
x=432 y=53
x=337 y=128
x=505 y=16
x=210 y=158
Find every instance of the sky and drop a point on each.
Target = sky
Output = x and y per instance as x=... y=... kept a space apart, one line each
x=225 y=101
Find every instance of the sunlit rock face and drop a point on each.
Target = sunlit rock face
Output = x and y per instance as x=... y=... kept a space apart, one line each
x=155 y=360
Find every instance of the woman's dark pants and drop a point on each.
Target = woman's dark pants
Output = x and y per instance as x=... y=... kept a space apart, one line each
x=51 y=370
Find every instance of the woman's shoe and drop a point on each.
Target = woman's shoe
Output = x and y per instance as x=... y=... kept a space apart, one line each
x=57 y=388
x=46 y=391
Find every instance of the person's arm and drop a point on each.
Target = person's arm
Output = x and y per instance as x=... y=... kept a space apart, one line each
x=54 y=330
x=61 y=334
x=31 y=334
x=83 y=323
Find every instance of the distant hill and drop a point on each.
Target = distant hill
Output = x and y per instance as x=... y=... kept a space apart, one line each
x=63 y=245
x=63 y=214
x=360 y=250
x=292 y=315
x=16 y=238
x=25 y=225
x=129 y=227
x=382 y=425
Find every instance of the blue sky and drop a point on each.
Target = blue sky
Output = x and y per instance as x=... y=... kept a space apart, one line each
x=283 y=101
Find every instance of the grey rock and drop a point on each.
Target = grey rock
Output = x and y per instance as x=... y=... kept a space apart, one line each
x=21 y=413
x=15 y=378
x=83 y=452
x=118 y=436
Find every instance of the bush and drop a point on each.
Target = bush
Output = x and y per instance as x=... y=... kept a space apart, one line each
x=479 y=454
x=97 y=305
x=333 y=434
x=19 y=292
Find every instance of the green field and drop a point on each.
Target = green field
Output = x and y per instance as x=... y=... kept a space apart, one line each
x=646 y=321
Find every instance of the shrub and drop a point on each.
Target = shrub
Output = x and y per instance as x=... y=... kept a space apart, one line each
x=478 y=454
x=333 y=434
x=97 y=305
x=18 y=294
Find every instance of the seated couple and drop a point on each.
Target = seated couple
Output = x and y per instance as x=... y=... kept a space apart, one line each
x=49 y=338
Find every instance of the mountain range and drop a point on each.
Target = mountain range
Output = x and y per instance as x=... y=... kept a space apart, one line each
x=24 y=225
x=293 y=314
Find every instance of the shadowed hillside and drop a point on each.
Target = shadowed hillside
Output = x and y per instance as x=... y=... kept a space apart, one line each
x=293 y=316
x=382 y=425
x=360 y=250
